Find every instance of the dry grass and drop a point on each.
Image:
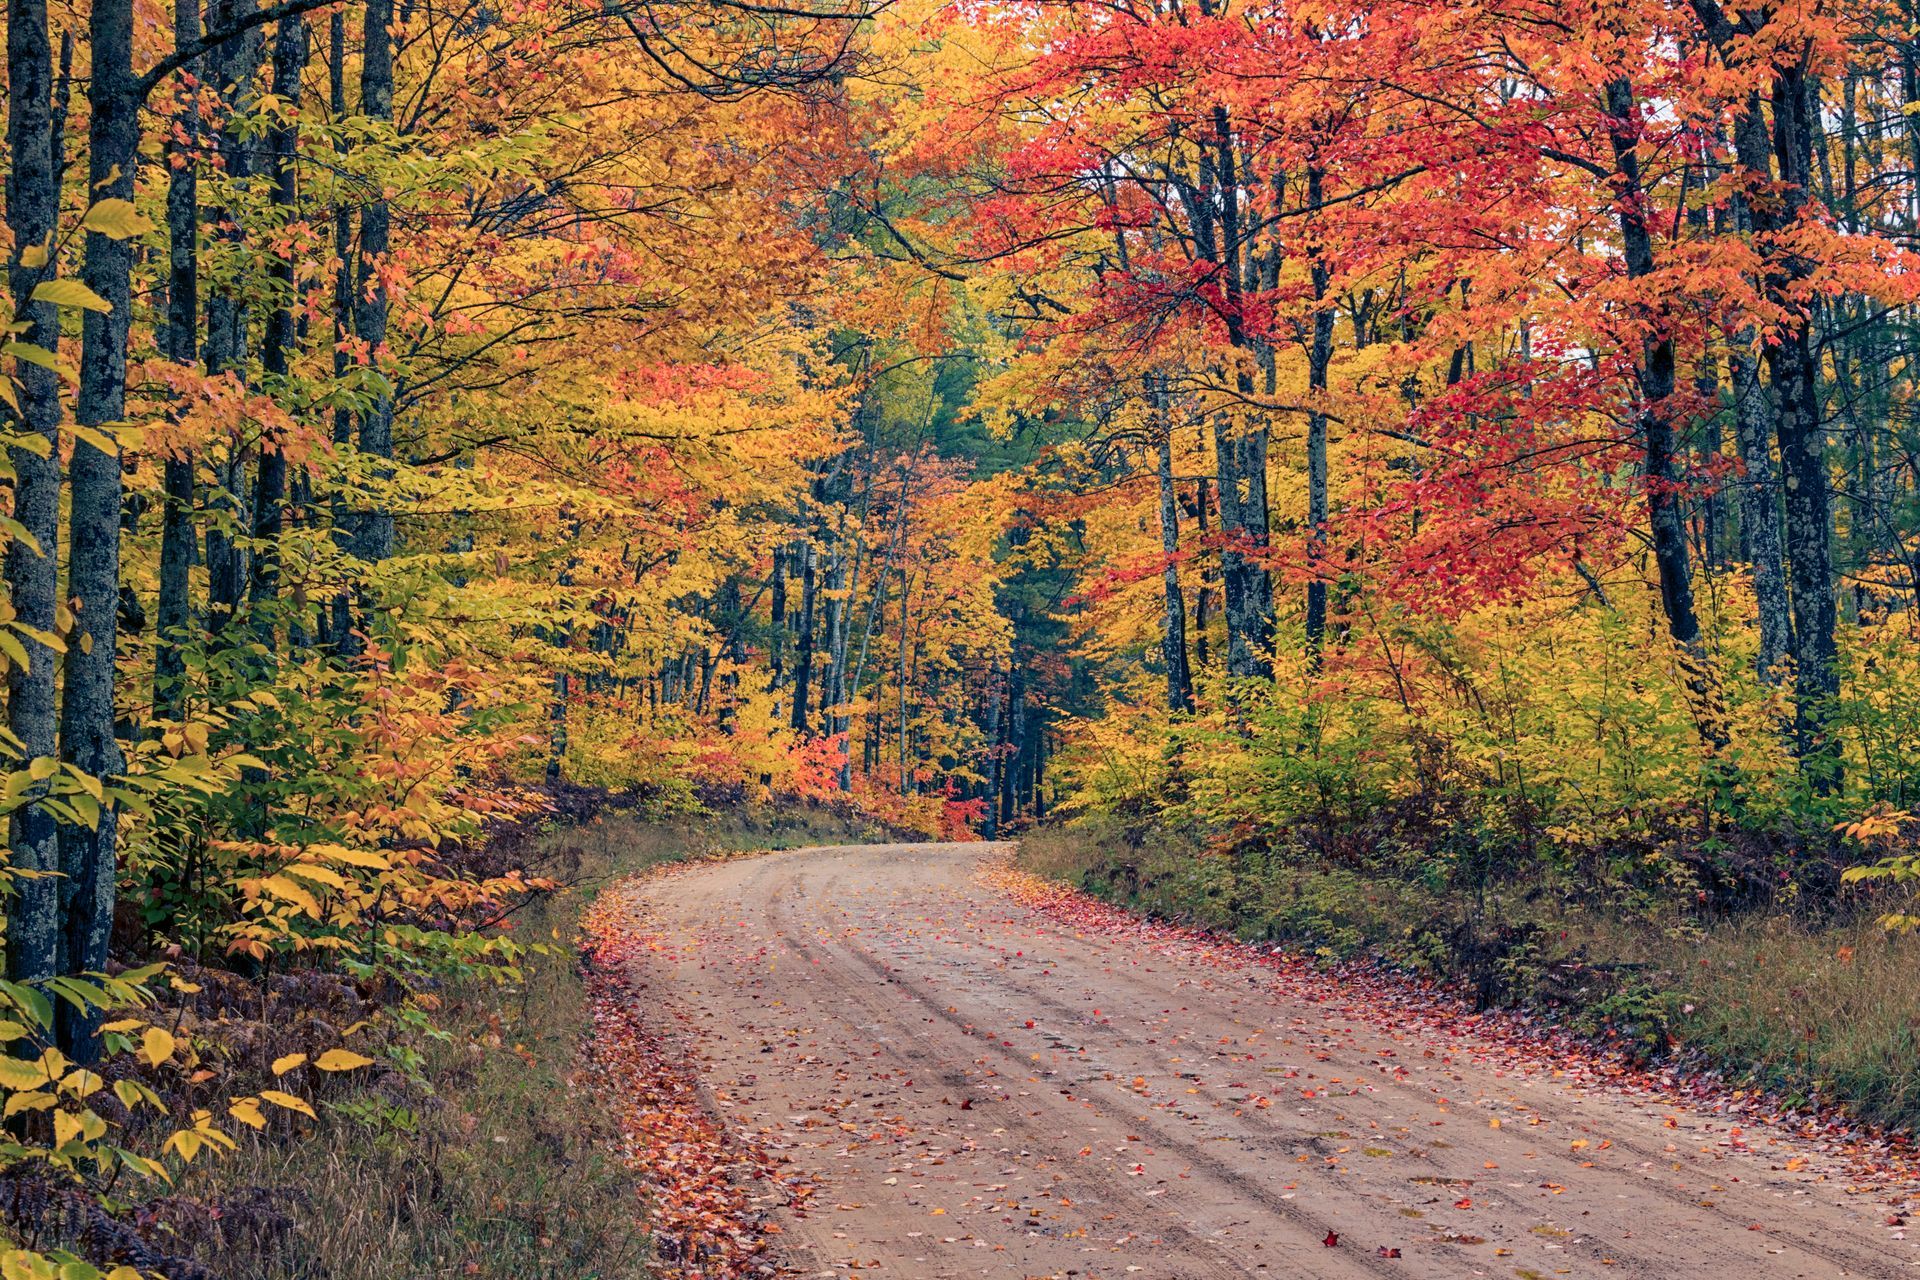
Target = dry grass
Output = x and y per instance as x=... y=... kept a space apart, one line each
x=1827 y=1011
x=502 y=1164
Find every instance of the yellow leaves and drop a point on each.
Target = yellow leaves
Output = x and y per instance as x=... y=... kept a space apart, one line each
x=70 y=293
x=292 y=891
x=82 y=1083
x=18 y=1074
x=32 y=1100
x=156 y=1045
x=318 y=875
x=285 y=1064
x=116 y=219
x=27 y=1264
x=190 y=1142
x=247 y=1110
x=288 y=1100
x=341 y=1060
x=77 y=1126
x=187 y=739
x=352 y=857
x=132 y=1093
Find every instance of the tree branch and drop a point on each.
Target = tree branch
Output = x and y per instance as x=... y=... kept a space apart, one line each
x=212 y=40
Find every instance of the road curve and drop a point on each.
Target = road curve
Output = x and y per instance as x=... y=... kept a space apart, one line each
x=977 y=1088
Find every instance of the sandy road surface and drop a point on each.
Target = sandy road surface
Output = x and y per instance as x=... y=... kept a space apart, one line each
x=979 y=1089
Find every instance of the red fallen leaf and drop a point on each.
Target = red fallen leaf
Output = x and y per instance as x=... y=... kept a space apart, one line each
x=1464 y=1202
x=966 y=1104
x=1029 y=1024
x=1333 y=1238
x=1385 y=1252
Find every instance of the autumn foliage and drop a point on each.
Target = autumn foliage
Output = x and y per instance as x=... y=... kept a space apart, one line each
x=1483 y=432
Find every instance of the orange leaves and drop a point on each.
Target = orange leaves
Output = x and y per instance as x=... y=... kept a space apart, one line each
x=696 y=1176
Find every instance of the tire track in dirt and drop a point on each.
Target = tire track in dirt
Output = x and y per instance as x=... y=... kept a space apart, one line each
x=845 y=1003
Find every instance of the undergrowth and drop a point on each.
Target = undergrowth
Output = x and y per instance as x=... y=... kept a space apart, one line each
x=490 y=1153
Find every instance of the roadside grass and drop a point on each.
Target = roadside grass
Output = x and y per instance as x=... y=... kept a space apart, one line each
x=1820 y=1009
x=497 y=1159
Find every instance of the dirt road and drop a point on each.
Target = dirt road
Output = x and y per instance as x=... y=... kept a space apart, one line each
x=978 y=1088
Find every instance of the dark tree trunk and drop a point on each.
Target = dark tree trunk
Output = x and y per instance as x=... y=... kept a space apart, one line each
x=777 y=638
x=1754 y=418
x=906 y=729
x=1203 y=598
x=1240 y=448
x=1014 y=725
x=1772 y=204
x=87 y=712
x=991 y=819
x=1173 y=631
x=1319 y=361
x=846 y=587
x=1793 y=366
x=1655 y=371
x=1760 y=507
x=233 y=66
x=269 y=499
x=803 y=650
x=336 y=615
x=375 y=540
x=33 y=208
x=1245 y=582
x=371 y=531
x=174 y=611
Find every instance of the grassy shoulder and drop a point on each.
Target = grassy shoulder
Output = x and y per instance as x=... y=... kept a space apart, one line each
x=491 y=1154
x=1811 y=1008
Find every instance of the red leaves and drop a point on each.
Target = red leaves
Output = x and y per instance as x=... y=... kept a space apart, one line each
x=1510 y=1040
x=1332 y=1240
x=694 y=1171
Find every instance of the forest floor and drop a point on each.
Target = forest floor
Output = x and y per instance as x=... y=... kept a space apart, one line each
x=932 y=1065
x=500 y=1160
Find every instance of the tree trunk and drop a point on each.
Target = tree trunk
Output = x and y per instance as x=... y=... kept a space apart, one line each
x=1203 y=598
x=1760 y=507
x=1014 y=726
x=174 y=611
x=846 y=586
x=375 y=542
x=994 y=701
x=87 y=713
x=33 y=208
x=1654 y=369
x=1319 y=360
x=777 y=637
x=906 y=599
x=803 y=650
x=233 y=66
x=1793 y=366
x=276 y=353
x=1173 y=632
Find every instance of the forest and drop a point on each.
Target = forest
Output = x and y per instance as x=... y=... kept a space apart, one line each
x=1429 y=480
